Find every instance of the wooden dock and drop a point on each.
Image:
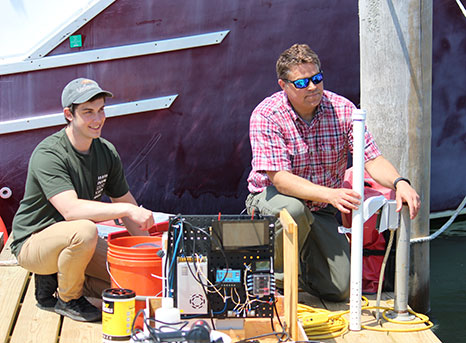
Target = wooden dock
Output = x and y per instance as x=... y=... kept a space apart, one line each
x=368 y=319
x=21 y=321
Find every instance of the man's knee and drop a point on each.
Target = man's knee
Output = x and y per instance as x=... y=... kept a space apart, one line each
x=301 y=215
x=296 y=208
x=86 y=232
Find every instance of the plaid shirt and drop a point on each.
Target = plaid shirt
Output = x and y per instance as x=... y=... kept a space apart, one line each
x=316 y=151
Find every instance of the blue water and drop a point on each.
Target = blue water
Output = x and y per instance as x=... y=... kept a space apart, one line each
x=448 y=288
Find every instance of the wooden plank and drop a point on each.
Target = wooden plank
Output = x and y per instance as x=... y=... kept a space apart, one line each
x=33 y=324
x=13 y=280
x=74 y=331
x=253 y=327
x=290 y=271
x=12 y=283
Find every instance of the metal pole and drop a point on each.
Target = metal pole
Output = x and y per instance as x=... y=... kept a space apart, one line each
x=359 y=117
x=402 y=268
x=402 y=262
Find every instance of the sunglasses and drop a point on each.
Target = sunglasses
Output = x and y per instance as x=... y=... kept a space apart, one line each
x=303 y=83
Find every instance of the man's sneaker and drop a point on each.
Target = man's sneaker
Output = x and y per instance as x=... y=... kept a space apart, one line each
x=78 y=309
x=46 y=287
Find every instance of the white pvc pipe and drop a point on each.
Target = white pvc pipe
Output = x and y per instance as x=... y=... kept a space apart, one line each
x=359 y=117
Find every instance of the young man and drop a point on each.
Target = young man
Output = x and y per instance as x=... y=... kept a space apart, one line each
x=300 y=139
x=54 y=230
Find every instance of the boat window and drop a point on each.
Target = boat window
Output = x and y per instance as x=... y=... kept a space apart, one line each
x=29 y=28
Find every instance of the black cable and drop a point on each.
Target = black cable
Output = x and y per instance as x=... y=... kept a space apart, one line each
x=182 y=324
x=135 y=331
x=194 y=258
x=168 y=257
x=278 y=316
x=153 y=332
x=201 y=230
x=177 y=250
x=271 y=322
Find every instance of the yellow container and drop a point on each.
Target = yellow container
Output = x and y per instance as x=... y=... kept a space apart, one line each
x=117 y=314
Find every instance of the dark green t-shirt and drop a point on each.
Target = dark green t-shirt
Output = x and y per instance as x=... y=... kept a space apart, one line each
x=55 y=166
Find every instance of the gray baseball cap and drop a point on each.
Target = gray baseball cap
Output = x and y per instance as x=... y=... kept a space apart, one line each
x=81 y=90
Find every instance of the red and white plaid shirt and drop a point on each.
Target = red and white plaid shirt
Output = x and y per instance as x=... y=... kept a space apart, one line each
x=316 y=151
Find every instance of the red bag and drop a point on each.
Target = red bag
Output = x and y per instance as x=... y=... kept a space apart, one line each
x=373 y=243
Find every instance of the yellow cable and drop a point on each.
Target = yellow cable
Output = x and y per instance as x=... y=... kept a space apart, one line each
x=321 y=323
x=324 y=324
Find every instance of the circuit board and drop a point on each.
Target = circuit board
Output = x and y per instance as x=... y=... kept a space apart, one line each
x=227 y=263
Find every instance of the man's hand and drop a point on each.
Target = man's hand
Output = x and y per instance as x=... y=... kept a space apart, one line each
x=344 y=199
x=142 y=217
x=384 y=173
x=137 y=219
x=406 y=194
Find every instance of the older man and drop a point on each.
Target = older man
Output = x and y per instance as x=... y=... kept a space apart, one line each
x=300 y=140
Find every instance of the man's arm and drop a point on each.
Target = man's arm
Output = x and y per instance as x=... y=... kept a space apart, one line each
x=287 y=183
x=131 y=224
x=384 y=173
x=72 y=208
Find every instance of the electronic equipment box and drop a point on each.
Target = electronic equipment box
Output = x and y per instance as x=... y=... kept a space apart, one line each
x=222 y=267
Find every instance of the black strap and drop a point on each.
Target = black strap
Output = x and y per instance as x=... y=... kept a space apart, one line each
x=400 y=179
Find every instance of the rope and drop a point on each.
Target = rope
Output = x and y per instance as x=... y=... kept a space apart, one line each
x=382 y=271
x=443 y=228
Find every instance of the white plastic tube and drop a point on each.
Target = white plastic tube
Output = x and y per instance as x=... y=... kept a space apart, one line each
x=359 y=118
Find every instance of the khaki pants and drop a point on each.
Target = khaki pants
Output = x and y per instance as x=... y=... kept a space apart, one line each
x=74 y=251
x=324 y=254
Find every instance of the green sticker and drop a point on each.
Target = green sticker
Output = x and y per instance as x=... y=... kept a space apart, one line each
x=76 y=41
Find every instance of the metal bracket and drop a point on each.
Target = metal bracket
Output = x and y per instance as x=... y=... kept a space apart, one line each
x=372 y=205
x=388 y=217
